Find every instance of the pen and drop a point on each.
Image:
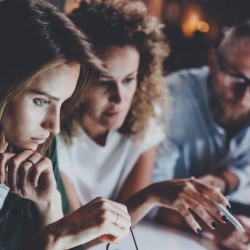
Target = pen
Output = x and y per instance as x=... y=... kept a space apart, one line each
x=231 y=218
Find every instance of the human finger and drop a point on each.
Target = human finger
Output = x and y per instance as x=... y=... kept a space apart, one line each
x=13 y=166
x=245 y=221
x=25 y=170
x=182 y=208
x=42 y=166
x=245 y=239
x=198 y=209
x=113 y=233
x=23 y=176
x=185 y=203
x=112 y=206
x=116 y=218
x=210 y=192
x=117 y=215
x=125 y=224
x=235 y=245
x=205 y=203
x=204 y=207
x=112 y=203
x=4 y=157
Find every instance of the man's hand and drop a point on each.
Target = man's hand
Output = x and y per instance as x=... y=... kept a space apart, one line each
x=226 y=181
x=231 y=238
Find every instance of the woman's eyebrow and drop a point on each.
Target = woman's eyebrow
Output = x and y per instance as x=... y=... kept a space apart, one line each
x=134 y=72
x=109 y=77
x=45 y=94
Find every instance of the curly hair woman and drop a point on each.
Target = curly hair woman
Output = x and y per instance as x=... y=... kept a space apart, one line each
x=107 y=146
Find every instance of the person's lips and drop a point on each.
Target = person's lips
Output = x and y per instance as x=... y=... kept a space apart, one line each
x=113 y=112
x=38 y=140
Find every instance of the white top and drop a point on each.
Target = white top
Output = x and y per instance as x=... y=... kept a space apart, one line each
x=96 y=170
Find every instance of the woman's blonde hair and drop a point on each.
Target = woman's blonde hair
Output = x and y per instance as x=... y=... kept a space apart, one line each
x=35 y=37
x=120 y=23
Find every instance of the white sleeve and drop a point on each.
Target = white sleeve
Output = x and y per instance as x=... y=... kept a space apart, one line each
x=167 y=157
x=153 y=136
x=64 y=161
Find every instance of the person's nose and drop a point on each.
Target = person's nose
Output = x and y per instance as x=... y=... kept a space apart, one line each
x=116 y=94
x=52 y=122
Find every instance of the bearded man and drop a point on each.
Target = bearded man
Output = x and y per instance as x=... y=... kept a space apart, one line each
x=208 y=133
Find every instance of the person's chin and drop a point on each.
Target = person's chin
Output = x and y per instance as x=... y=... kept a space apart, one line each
x=23 y=147
x=114 y=123
x=115 y=126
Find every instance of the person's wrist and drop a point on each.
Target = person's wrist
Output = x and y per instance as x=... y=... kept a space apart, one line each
x=145 y=198
x=53 y=234
x=42 y=204
x=49 y=211
x=62 y=234
x=49 y=237
x=152 y=195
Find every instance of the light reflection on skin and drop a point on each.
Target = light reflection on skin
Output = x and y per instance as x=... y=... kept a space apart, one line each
x=110 y=104
x=35 y=114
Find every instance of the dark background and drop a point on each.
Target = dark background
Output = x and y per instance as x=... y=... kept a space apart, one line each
x=191 y=50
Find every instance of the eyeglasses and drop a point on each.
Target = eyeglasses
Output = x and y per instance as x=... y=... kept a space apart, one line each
x=136 y=247
x=237 y=84
x=233 y=82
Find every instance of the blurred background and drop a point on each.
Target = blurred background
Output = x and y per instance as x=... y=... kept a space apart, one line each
x=192 y=27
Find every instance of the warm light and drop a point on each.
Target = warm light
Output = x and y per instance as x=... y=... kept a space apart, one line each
x=190 y=26
x=192 y=21
x=70 y=5
x=203 y=27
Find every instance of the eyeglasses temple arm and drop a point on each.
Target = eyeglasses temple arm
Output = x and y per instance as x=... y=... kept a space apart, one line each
x=107 y=247
x=133 y=238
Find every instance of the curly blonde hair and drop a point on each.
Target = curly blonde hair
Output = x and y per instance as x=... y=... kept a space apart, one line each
x=120 y=23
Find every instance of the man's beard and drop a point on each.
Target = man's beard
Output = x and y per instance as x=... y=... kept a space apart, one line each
x=223 y=115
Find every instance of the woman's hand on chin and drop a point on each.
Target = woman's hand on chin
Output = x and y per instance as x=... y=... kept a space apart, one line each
x=29 y=174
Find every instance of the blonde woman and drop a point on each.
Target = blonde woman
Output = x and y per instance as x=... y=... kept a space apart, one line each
x=44 y=61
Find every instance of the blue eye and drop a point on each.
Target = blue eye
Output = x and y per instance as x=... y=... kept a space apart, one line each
x=40 y=102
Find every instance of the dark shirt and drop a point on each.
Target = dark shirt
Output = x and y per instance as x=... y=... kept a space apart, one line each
x=20 y=220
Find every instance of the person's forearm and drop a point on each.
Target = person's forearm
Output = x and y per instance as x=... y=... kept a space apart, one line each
x=46 y=239
x=49 y=211
x=140 y=204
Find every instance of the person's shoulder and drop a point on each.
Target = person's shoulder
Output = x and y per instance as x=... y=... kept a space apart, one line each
x=186 y=78
x=153 y=135
x=78 y=137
